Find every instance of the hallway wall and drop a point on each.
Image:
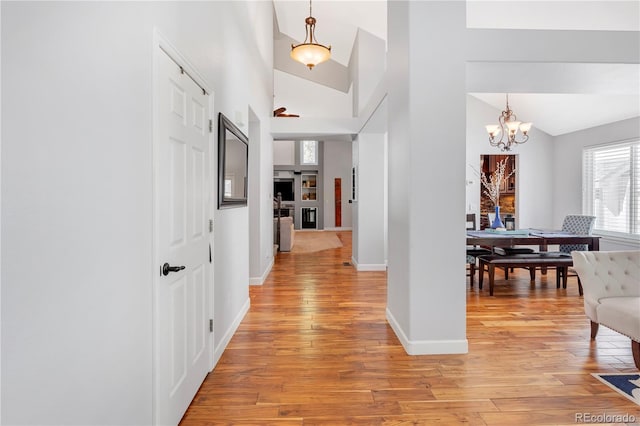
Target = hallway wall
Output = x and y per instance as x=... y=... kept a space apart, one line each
x=77 y=195
x=337 y=164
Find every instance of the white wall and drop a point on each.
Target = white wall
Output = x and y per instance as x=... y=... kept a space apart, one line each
x=567 y=164
x=318 y=100
x=370 y=225
x=370 y=210
x=399 y=157
x=367 y=68
x=284 y=153
x=337 y=164
x=427 y=103
x=355 y=212
x=260 y=201
x=244 y=79
x=77 y=264
x=534 y=171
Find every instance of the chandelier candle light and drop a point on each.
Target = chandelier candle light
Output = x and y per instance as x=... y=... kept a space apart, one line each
x=310 y=53
x=509 y=125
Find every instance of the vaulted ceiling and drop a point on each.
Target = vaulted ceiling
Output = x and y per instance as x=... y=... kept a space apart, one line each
x=554 y=113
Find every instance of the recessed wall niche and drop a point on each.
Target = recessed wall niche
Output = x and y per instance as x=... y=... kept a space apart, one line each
x=508 y=194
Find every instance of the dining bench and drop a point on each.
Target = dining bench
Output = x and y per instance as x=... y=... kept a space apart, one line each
x=531 y=261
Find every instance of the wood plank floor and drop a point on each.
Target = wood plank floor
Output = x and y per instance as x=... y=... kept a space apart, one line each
x=315 y=349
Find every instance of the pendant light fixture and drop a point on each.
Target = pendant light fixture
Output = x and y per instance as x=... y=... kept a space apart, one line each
x=310 y=53
x=508 y=125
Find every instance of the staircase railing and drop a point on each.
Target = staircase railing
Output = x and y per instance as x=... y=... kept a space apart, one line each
x=278 y=201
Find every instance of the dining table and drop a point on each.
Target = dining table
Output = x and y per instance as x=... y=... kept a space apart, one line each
x=542 y=238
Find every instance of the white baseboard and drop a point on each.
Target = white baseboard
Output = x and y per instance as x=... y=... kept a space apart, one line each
x=219 y=349
x=427 y=347
x=368 y=266
x=346 y=228
x=260 y=280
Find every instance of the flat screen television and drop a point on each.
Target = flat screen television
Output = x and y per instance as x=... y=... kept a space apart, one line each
x=285 y=187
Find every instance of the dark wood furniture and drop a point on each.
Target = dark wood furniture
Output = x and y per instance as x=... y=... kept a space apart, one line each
x=473 y=251
x=540 y=238
x=531 y=261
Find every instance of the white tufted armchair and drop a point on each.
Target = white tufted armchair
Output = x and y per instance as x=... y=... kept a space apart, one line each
x=611 y=282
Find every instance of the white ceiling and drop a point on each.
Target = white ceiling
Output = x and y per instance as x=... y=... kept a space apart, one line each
x=598 y=15
x=337 y=22
x=554 y=113
x=557 y=114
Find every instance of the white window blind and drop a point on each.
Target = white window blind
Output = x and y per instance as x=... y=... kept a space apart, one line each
x=611 y=187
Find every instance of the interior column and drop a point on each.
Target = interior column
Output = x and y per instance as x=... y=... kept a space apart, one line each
x=426 y=301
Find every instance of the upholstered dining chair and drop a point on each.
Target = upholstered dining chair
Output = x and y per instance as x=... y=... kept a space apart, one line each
x=473 y=251
x=580 y=225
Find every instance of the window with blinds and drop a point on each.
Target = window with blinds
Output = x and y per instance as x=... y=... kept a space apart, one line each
x=611 y=187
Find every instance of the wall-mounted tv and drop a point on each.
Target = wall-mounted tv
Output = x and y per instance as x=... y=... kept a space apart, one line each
x=285 y=187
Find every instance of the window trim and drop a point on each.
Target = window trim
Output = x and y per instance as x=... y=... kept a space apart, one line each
x=617 y=236
x=587 y=185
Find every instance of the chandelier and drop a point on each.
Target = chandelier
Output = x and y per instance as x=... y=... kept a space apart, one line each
x=310 y=53
x=508 y=125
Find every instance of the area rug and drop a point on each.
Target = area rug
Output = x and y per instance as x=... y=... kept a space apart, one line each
x=311 y=241
x=623 y=383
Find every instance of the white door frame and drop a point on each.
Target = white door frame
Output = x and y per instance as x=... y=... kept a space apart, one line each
x=161 y=46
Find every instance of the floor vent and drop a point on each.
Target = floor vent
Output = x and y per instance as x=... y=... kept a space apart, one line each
x=346 y=263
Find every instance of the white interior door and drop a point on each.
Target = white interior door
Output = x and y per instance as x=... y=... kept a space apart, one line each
x=182 y=190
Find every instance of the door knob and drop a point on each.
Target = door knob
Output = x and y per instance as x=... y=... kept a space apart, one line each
x=166 y=268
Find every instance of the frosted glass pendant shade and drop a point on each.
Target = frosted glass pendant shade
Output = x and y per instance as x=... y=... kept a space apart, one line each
x=513 y=126
x=310 y=54
x=493 y=130
x=525 y=127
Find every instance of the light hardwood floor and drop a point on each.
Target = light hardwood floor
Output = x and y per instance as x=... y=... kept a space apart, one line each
x=315 y=349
